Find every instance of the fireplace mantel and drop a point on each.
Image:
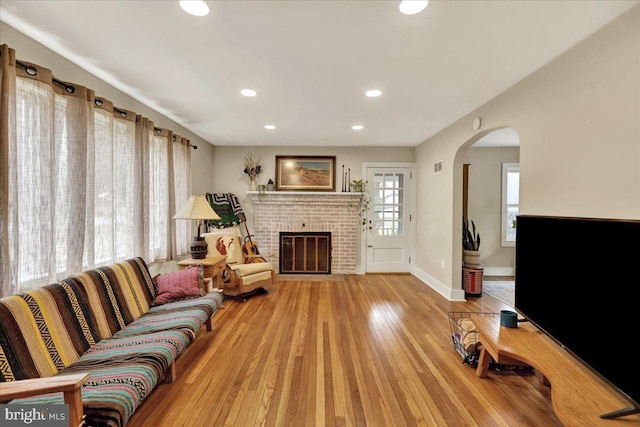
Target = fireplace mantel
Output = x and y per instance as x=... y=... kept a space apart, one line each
x=304 y=194
x=276 y=211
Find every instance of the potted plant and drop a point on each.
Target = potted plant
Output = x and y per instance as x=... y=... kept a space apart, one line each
x=360 y=186
x=470 y=243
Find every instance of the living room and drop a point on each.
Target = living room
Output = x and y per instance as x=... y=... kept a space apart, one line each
x=577 y=119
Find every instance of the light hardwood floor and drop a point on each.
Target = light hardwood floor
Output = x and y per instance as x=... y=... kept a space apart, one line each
x=373 y=350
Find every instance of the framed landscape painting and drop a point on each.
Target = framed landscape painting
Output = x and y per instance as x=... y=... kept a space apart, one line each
x=306 y=173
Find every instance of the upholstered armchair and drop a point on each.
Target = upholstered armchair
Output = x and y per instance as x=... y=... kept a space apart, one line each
x=245 y=275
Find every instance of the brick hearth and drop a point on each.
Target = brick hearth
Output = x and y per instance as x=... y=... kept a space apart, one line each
x=337 y=213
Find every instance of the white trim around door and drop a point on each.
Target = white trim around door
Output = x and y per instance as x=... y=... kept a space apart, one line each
x=400 y=251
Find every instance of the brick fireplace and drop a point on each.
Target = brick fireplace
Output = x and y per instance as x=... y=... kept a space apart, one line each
x=294 y=211
x=305 y=252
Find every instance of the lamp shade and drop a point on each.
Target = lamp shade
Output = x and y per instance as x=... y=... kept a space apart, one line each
x=196 y=207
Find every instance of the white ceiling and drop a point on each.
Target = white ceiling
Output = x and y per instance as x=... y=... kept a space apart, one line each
x=311 y=61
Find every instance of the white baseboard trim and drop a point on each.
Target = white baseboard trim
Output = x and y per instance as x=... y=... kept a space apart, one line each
x=499 y=271
x=439 y=287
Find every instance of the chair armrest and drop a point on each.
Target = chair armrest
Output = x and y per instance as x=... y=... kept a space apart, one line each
x=259 y=256
x=69 y=385
x=33 y=387
x=250 y=259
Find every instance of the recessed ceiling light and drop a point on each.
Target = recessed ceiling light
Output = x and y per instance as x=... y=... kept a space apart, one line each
x=411 y=7
x=373 y=93
x=357 y=127
x=270 y=127
x=248 y=92
x=194 y=7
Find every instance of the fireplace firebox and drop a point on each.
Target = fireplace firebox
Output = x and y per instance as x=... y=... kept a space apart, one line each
x=305 y=252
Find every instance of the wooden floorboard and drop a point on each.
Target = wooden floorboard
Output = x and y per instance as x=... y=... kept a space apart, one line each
x=373 y=350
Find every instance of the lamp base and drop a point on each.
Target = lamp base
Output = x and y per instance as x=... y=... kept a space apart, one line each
x=199 y=248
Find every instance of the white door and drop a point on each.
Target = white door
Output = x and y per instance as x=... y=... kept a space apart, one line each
x=389 y=220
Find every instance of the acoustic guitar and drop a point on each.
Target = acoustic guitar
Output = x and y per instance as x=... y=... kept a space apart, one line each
x=249 y=248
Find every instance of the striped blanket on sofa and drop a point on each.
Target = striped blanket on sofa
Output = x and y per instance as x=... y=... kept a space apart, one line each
x=100 y=322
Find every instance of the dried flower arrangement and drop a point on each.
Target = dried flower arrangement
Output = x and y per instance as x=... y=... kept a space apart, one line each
x=251 y=166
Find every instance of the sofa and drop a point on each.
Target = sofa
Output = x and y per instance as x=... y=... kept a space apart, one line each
x=99 y=340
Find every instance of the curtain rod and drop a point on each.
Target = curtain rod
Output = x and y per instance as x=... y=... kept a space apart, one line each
x=157 y=129
x=33 y=71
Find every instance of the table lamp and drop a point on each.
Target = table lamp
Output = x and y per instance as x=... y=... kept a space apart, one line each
x=197 y=208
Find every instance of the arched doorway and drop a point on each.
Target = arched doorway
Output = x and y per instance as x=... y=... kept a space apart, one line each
x=484 y=161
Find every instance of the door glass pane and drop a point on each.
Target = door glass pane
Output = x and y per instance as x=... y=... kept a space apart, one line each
x=388 y=197
x=378 y=197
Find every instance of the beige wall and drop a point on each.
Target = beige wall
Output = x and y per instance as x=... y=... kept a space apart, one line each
x=485 y=205
x=229 y=178
x=578 y=119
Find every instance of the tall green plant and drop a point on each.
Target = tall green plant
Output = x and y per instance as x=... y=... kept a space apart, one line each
x=470 y=238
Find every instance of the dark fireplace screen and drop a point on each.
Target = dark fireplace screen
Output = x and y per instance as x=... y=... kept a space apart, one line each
x=305 y=252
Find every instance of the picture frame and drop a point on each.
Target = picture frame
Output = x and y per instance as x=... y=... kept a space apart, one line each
x=305 y=173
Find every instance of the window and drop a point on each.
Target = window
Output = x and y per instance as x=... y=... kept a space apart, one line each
x=510 y=202
x=85 y=183
x=388 y=204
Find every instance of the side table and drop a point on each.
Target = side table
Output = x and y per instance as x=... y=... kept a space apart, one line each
x=213 y=267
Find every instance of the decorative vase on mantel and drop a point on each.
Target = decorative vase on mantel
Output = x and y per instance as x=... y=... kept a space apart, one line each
x=254 y=185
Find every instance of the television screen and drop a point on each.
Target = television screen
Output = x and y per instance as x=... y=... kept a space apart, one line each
x=578 y=279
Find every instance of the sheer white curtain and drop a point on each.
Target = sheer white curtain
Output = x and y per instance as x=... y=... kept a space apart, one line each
x=114 y=205
x=47 y=176
x=160 y=216
x=101 y=192
x=182 y=191
x=31 y=183
x=73 y=139
x=124 y=207
x=82 y=183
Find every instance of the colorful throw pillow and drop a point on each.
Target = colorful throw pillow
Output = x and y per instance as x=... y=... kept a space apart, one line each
x=187 y=283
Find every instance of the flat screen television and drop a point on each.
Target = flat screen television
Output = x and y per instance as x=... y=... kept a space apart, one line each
x=578 y=280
